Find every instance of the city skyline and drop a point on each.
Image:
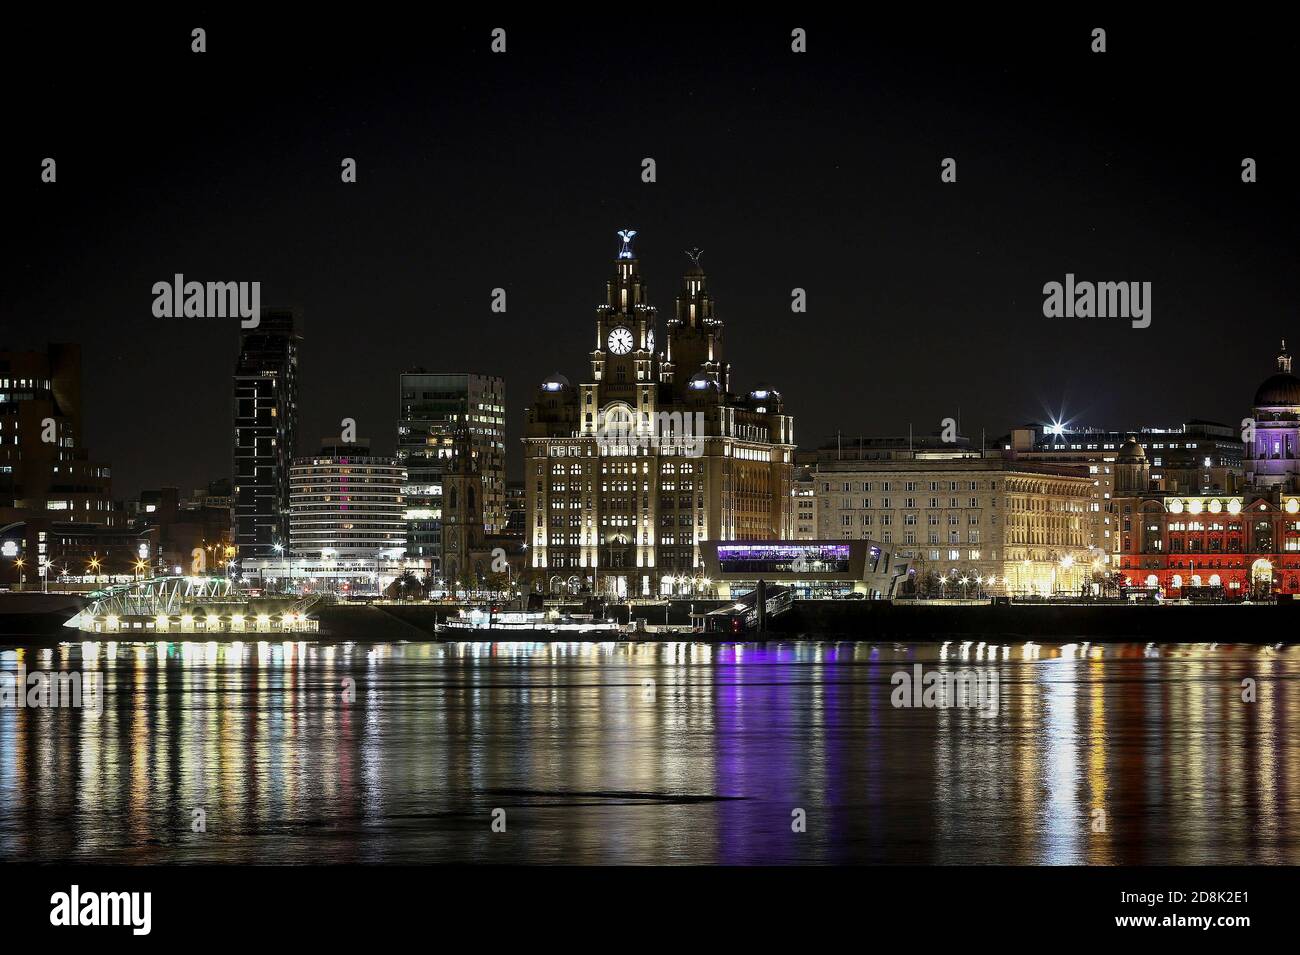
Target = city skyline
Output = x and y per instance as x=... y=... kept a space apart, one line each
x=1058 y=420
x=649 y=440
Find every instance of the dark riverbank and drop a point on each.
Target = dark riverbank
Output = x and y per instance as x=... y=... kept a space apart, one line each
x=35 y=619
x=1183 y=623
x=867 y=620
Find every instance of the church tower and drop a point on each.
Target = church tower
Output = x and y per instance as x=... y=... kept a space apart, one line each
x=462 y=515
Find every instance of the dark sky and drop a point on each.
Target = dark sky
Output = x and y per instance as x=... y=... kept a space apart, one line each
x=818 y=170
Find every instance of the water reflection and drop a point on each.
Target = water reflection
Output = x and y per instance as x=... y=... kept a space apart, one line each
x=683 y=752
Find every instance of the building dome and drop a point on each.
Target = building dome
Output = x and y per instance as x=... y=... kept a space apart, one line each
x=763 y=392
x=1131 y=452
x=1282 y=388
x=556 y=382
x=701 y=381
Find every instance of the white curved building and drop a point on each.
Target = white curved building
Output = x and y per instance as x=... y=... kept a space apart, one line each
x=346 y=505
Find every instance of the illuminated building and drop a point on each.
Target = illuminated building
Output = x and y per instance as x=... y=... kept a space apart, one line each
x=805 y=504
x=1273 y=449
x=1231 y=546
x=266 y=433
x=347 y=529
x=627 y=474
x=1196 y=457
x=44 y=468
x=201 y=523
x=1221 y=545
x=347 y=504
x=56 y=504
x=957 y=514
x=815 y=569
x=432 y=406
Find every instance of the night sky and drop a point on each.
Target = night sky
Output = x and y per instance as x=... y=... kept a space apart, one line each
x=818 y=171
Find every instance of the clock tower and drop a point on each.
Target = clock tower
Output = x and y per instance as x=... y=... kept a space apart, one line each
x=625 y=331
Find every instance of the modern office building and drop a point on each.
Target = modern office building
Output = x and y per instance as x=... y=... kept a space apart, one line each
x=516 y=510
x=431 y=407
x=627 y=474
x=44 y=467
x=347 y=524
x=347 y=505
x=266 y=433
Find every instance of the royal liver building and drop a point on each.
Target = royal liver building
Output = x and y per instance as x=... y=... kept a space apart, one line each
x=627 y=473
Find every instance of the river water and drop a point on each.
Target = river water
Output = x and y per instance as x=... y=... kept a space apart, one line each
x=789 y=752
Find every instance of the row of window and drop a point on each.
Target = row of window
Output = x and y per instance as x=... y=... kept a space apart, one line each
x=848 y=486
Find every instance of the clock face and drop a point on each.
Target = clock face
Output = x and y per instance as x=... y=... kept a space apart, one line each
x=650 y=340
x=620 y=340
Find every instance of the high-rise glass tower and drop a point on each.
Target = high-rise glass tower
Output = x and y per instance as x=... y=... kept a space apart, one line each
x=266 y=433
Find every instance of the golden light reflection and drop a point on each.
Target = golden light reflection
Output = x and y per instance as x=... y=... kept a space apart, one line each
x=599 y=744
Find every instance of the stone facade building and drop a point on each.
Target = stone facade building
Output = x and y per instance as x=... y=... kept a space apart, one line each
x=626 y=473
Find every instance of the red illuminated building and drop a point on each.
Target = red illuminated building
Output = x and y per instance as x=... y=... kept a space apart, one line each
x=1228 y=546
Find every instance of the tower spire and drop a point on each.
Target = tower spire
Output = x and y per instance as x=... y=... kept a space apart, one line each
x=1284 y=360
